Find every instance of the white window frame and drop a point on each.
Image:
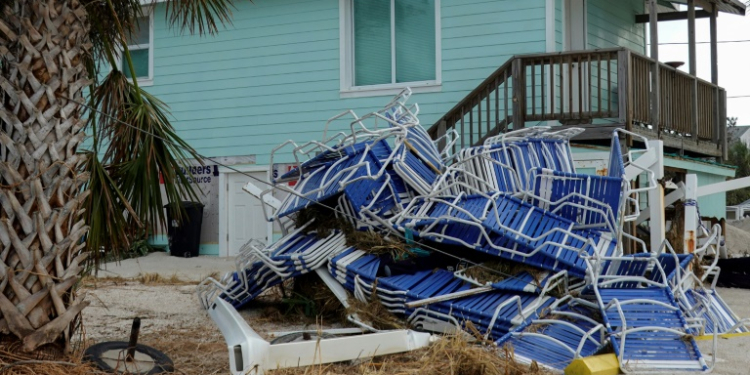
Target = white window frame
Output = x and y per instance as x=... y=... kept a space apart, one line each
x=346 y=52
x=144 y=81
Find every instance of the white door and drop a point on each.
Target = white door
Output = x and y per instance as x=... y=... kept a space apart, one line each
x=576 y=39
x=245 y=219
x=575 y=25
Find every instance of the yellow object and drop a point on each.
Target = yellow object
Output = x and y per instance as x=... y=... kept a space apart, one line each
x=604 y=364
x=722 y=336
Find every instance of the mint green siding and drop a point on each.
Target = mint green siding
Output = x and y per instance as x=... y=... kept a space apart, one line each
x=712 y=205
x=559 y=25
x=612 y=24
x=274 y=74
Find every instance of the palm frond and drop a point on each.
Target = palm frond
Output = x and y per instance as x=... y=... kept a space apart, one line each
x=143 y=148
x=107 y=212
x=204 y=15
x=105 y=38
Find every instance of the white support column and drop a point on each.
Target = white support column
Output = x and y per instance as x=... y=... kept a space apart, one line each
x=657 y=223
x=691 y=212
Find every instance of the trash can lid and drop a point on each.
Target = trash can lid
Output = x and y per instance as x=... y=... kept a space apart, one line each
x=185 y=204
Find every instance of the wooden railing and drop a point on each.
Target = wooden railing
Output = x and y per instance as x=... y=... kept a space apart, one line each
x=586 y=87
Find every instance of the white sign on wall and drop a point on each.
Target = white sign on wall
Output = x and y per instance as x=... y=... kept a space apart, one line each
x=205 y=178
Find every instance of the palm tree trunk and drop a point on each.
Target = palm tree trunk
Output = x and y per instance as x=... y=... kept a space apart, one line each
x=43 y=45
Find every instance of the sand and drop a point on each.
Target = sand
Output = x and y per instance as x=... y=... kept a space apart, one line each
x=738 y=238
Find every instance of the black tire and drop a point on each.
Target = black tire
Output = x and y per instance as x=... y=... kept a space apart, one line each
x=300 y=336
x=97 y=354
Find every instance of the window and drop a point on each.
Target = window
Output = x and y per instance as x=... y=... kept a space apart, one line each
x=390 y=44
x=141 y=51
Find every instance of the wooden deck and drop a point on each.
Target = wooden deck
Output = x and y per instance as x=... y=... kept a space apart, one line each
x=598 y=90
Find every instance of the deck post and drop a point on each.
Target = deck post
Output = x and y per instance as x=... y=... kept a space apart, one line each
x=623 y=88
x=715 y=75
x=692 y=60
x=691 y=213
x=657 y=222
x=654 y=30
x=722 y=123
x=519 y=94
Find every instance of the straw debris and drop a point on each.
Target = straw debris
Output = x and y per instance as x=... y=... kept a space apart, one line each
x=374 y=243
x=375 y=314
x=325 y=222
x=496 y=271
x=325 y=303
x=452 y=355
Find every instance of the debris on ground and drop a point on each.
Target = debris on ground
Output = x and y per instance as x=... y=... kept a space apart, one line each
x=503 y=242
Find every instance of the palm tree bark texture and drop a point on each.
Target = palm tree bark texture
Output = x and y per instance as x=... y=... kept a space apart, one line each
x=43 y=45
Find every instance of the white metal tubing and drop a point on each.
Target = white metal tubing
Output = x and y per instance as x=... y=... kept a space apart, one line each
x=308 y=353
x=254 y=352
x=449 y=296
x=657 y=223
x=725 y=186
x=548 y=338
x=257 y=192
x=499 y=307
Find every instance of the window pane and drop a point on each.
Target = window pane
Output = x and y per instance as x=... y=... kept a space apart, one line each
x=415 y=40
x=140 y=63
x=141 y=33
x=372 y=42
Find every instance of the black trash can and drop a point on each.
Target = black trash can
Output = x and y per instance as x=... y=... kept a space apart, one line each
x=185 y=237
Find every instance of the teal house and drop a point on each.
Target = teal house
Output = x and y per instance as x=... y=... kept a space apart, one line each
x=479 y=67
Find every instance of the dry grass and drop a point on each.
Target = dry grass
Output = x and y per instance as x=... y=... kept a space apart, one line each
x=496 y=271
x=368 y=241
x=452 y=355
x=200 y=352
x=325 y=220
x=374 y=243
x=305 y=299
x=145 y=279
x=194 y=351
x=157 y=279
x=375 y=314
x=49 y=359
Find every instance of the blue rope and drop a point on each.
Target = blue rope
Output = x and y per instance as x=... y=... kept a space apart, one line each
x=694 y=203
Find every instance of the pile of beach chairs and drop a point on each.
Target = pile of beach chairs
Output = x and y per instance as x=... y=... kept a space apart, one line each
x=504 y=239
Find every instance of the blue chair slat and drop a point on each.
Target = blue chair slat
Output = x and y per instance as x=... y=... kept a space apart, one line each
x=505 y=178
x=605 y=190
x=522 y=282
x=666 y=350
x=420 y=141
x=327 y=174
x=616 y=166
x=669 y=265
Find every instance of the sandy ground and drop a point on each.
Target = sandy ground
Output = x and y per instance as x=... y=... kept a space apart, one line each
x=733 y=354
x=193 y=269
x=738 y=238
x=174 y=322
